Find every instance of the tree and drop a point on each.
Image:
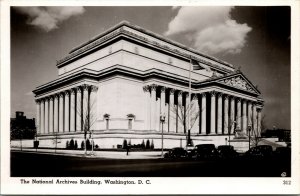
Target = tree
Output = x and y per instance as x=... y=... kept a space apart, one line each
x=88 y=113
x=256 y=137
x=181 y=112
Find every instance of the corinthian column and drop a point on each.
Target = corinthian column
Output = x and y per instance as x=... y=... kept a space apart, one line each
x=213 y=113
x=85 y=106
x=51 y=115
x=55 y=113
x=203 y=114
x=219 y=120
x=195 y=115
x=226 y=114
x=38 y=117
x=78 y=110
x=163 y=104
x=244 y=116
x=72 y=111
x=61 y=113
x=148 y=107
x=250 y=123
x=259 y=121
x=172 y=112
x=180 y=113
x=46 y=115
x=239 y=117
x=162 y=100
x=231 y=123
x=254 y=120
x=153 y=106
x=42 y=116
x=94 y=107
x=67 y=111
x=186 y=110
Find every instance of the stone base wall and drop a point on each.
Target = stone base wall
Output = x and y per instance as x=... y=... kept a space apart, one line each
x=110 y=139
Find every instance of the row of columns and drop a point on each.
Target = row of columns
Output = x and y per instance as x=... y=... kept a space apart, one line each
x=227 y=113
x=66 y=111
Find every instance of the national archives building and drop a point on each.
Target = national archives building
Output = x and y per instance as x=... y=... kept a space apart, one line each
x=131 y=84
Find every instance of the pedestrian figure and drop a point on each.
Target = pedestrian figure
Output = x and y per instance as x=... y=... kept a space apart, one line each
x=127 y=149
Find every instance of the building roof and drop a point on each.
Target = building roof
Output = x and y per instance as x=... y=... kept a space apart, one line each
x=119 y=30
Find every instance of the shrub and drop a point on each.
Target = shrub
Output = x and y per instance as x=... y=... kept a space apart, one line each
x=152 y=144
x=147 y=144
x=72 y=144
x=124 y=144
x=67 y=145
x=75 y=145
x=88 y=144
x=82 y=145
x=143 y=144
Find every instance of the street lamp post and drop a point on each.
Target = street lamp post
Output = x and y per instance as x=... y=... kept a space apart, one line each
x=162 y=120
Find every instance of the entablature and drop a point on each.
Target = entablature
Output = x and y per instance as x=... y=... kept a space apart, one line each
x=154 y=75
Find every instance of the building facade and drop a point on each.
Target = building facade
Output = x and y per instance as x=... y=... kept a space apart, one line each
x=22 y=127
x=120 y=83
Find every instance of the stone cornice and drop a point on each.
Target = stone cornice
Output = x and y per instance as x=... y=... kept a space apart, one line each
x=119 y=30
x=92 y=77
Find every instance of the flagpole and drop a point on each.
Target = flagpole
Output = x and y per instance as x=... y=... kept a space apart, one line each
x=189 y=112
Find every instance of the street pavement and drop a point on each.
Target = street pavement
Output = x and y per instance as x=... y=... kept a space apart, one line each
x=95 y=154
x=47 y=164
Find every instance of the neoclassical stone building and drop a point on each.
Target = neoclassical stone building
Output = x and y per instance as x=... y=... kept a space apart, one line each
x=119 y=84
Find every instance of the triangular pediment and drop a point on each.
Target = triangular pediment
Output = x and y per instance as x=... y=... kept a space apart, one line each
x=238 y=81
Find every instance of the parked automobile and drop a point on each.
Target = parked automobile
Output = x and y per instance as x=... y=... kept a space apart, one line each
x=257 y=152
x=205 y=151
x=227 y=152
x=282 y=153
x=177 y=152
x=189 y=150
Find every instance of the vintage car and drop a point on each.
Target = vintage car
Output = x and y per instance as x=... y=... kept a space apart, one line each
x=177 y=152
x=227 y=152
x=205 y=151
x=260 y=152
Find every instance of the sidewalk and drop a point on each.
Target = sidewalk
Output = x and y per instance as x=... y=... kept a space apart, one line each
x=97 y=154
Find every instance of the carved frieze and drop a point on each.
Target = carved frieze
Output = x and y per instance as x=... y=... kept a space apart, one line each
x=238 y=82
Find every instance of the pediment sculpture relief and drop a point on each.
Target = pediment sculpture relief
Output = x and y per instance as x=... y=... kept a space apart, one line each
x=238 y=82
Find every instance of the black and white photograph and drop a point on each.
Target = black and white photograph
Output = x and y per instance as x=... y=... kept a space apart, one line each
x=125 y=98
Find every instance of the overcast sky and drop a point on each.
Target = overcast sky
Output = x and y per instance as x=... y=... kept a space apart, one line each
x=256 y=39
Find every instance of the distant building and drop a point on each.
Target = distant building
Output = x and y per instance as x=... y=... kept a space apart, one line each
x=22 y=127
x=283 y=135
x=123 y=82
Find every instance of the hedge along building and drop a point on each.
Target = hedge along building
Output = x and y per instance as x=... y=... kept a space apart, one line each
x=121 y=82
